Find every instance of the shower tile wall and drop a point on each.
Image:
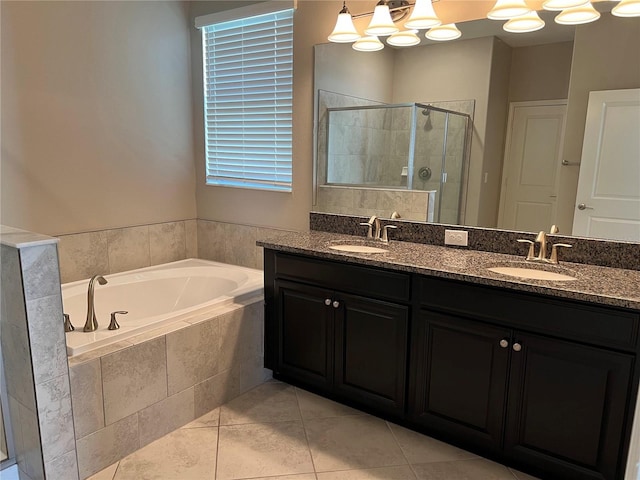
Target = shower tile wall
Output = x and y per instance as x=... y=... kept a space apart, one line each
x=83 y=255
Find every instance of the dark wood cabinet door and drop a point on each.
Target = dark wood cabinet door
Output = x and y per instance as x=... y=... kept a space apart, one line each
x=459 y=382
x=305 y=333
x=371 y=352
x=567 y=408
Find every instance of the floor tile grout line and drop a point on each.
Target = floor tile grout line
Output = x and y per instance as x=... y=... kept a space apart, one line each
x=215 y=473
x=304 y=429
x=395 y=438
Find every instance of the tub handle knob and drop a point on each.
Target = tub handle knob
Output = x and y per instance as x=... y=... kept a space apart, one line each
x=113 y=325
x=68 y=326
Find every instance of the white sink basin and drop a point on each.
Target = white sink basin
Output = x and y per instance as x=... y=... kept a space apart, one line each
x=531 y=274
x=357 y=248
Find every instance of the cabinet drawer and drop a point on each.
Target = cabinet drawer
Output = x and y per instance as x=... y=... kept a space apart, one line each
x=366 y=281
x=590 y=323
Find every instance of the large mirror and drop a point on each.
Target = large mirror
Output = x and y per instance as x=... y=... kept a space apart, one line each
x=516 y=89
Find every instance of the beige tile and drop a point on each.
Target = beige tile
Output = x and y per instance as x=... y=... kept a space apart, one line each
x=134 y=378
x=463 y=470
x=55 y=417
x=241 y=334
x=302 y=476
x=106 y=474
x=210 y=419
x=211 y=240
x=186 y=454
x=98 y=353
x=420 y=448
x=192 y=355
x=46 y=332
x=240 y=245
x=64 y=467
x=403 y=472
x=270 y=402
x=521 y=476
x=40 y=275
x=31 y=458
x=165 y=416
x=128 y=248
x=106 y=446
x=343 y=443
x=157 y=332
x=167 y=242
x=315 y=406
x=262 y=450
x=13 y=308
x=86 y=396
x=16 y=352
x=83 y=255
x=213 y=392
x=191 y=238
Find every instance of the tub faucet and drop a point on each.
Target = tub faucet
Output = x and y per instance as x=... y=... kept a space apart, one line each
x=92 y=323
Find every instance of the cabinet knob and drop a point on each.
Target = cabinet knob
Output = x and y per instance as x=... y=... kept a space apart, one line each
x=327 y=302
x=517 y=347
x=336 y=304
x=504 y=343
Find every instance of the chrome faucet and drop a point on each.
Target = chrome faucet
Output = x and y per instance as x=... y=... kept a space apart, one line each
x=91 y=324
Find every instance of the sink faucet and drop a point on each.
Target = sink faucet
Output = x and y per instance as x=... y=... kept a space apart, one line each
x=541 y=239
x=374 y=227
x=91 y=324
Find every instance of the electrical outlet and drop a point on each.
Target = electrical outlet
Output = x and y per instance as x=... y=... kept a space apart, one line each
x=456 y=237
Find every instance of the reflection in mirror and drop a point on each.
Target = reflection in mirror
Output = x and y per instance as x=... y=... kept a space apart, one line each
x=495 y=77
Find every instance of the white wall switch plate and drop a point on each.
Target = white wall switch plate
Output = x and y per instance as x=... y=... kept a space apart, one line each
x=456 y=237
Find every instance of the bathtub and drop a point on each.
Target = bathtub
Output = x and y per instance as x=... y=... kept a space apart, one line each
x=157 y=296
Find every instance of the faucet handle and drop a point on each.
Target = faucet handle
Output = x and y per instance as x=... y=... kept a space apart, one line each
x=531 y=253
x=68 y=326
x=385 y=233
x=554 y=251
x=113 y=325
x=370 y=225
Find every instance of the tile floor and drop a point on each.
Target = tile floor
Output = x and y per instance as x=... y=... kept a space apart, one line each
x=280 y=432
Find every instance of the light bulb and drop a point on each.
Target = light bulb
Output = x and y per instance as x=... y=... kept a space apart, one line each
x=578 y=15
x=627 y=8
x=405 y=38
x=506 y=9
x=529 y=22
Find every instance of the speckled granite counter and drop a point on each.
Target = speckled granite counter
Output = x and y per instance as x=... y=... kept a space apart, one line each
x=595 y=284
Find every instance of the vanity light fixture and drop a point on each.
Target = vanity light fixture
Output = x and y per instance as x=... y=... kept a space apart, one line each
x=381 y=23
x=344 y=31
x=423 y=16
x=506 y=9
x=405 y=38
x=529 y=22
x=443 y=33
x=578 y=15
x=561 y=4
x=627 y=8
x=368 y=43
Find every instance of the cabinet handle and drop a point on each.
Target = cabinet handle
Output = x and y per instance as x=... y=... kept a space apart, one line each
x=517 y=347
x=504 y=343
x=336 y=304
x=327 y=302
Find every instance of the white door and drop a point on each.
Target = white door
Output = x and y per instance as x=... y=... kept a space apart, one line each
x=531 y=165
x=608 y=198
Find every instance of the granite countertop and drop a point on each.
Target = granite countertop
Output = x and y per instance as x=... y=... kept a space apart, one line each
x=595 y=284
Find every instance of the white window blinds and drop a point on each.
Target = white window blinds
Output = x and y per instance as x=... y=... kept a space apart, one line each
x=248 y=83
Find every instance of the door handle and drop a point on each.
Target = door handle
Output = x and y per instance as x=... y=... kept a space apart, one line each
x=517 y=347
x=504 y=343
x=582 y=206
x=327 y=302
x=336 y=304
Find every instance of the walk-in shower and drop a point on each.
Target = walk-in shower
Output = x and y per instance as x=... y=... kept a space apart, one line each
x=416 y=146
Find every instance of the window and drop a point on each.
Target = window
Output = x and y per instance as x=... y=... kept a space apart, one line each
x=248 y=84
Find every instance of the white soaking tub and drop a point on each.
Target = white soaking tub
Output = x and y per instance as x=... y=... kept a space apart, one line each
x=154 y=297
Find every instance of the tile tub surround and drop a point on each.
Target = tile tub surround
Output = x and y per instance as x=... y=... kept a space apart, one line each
x=34 y=357
x=83 y=255
x=605 y=253
x=279 y=432
x=600 y=285
x=129 y=394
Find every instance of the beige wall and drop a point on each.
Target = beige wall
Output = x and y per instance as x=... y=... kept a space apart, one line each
x=603 y=59
x=313 y=22
x=540 y=72
x=96 y=115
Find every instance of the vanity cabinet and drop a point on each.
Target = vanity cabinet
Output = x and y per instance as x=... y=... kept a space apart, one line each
x=498 y=371
x=544 y=384
x=339 y=341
